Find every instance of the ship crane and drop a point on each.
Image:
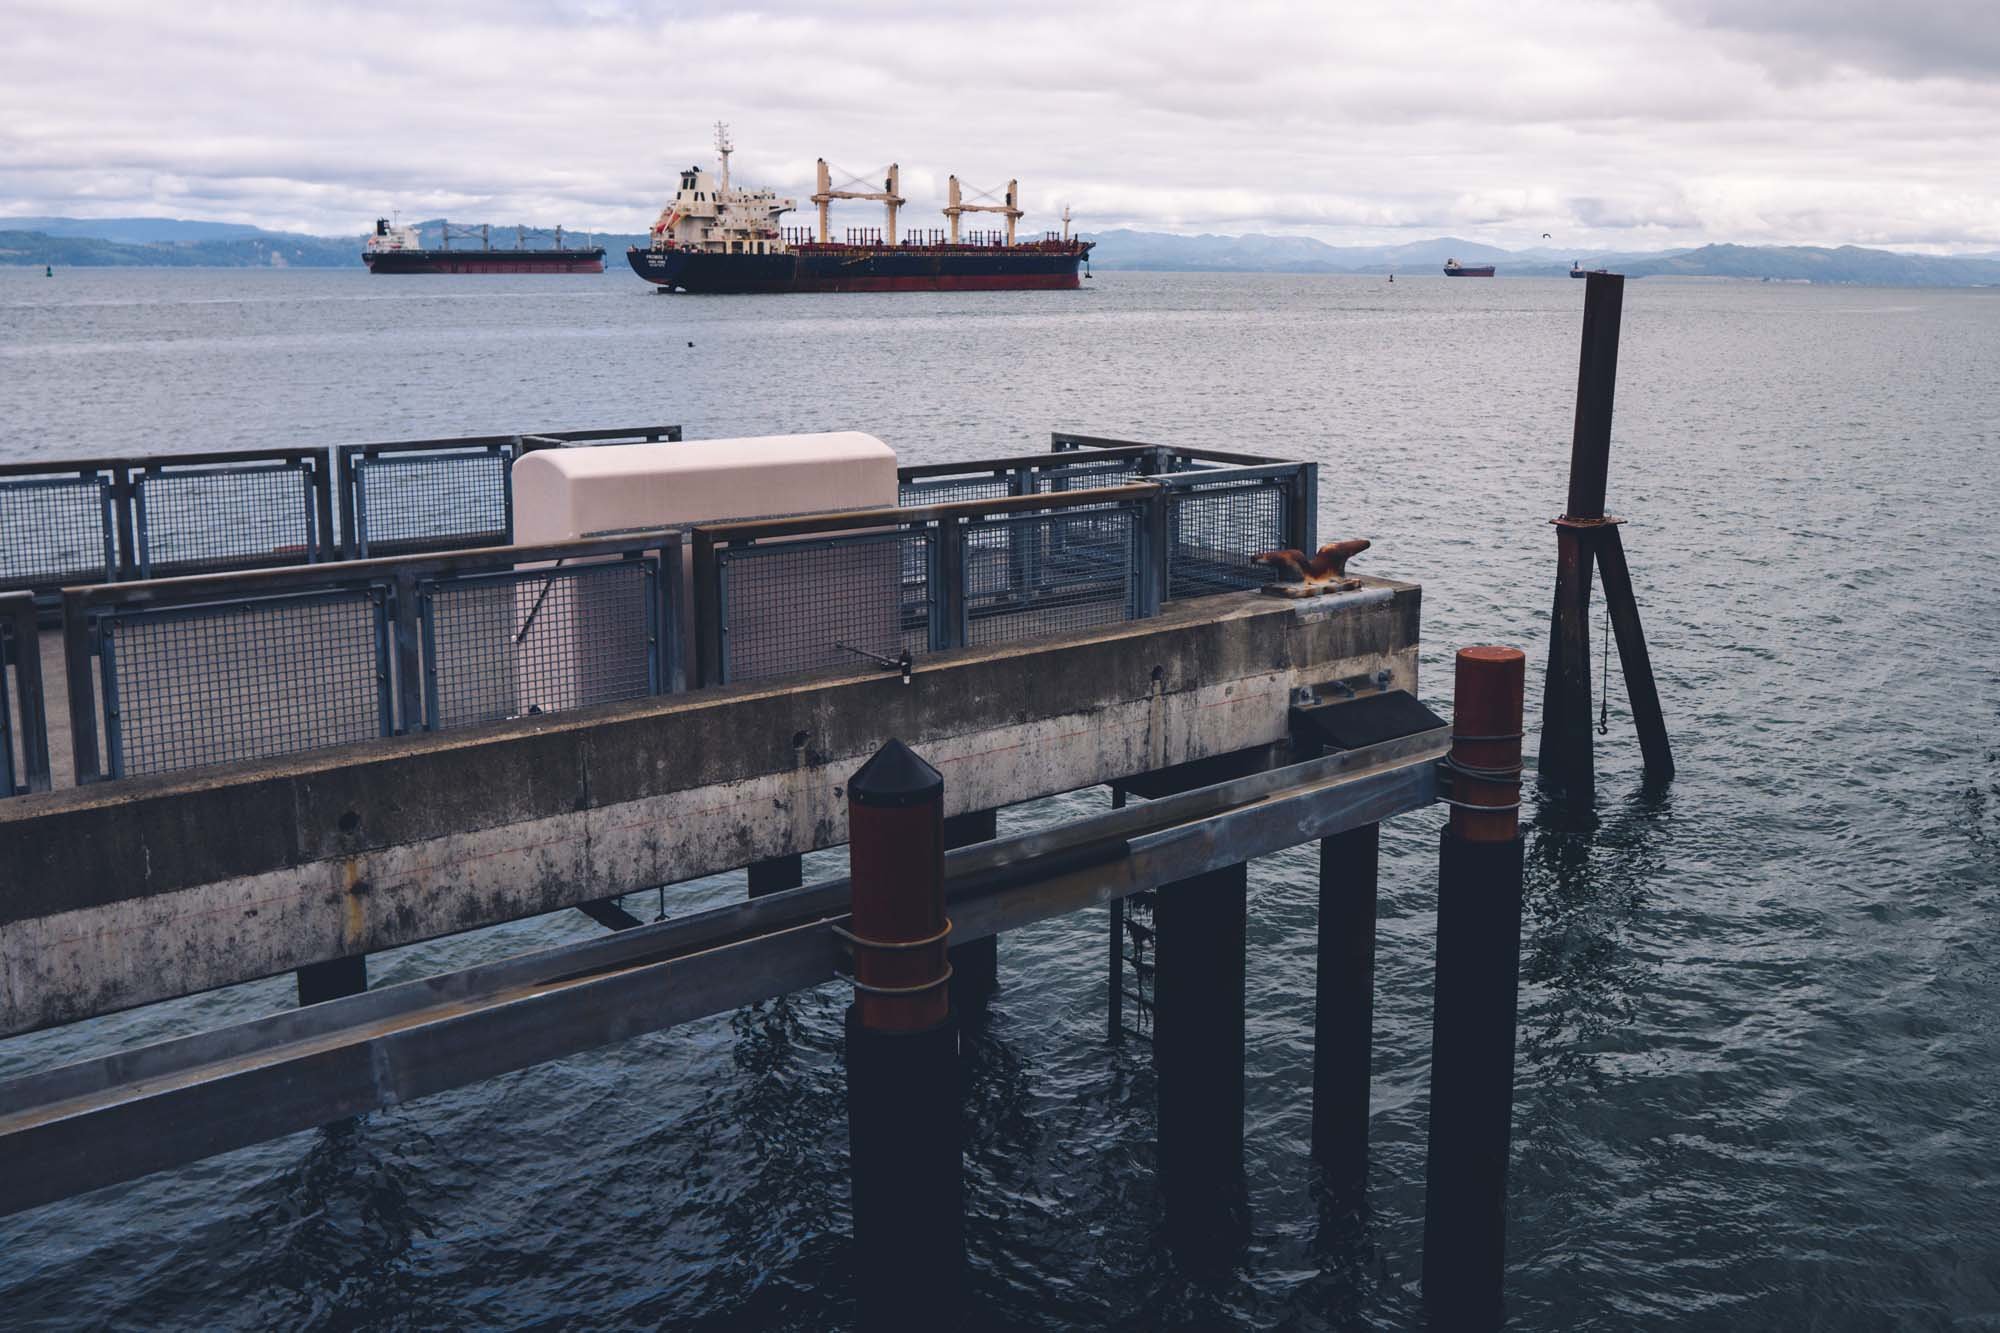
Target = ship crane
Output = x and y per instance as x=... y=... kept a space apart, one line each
x=890 y=196
x=958 y=206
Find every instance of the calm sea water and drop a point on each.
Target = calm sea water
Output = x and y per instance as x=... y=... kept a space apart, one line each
x=1757 y=1081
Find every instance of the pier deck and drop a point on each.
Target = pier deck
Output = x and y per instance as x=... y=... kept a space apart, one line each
x=144 y=889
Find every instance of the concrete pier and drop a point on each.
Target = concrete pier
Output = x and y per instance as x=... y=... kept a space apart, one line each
x=148 y=888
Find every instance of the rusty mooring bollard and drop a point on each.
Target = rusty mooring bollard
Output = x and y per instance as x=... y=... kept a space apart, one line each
x=1477 y=983
x=903 y=1125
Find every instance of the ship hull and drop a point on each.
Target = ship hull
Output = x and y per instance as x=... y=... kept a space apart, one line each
x=486 y=261
x=1482 y=271
x=1037 y=266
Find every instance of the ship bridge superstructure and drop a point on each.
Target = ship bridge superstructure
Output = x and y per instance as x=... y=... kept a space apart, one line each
x=709 y=214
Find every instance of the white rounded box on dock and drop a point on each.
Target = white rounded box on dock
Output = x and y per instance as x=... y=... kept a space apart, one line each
x=570 y=494
x=772 y=614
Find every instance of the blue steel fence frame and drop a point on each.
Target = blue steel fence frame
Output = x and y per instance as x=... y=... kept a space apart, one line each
x=804 y=552
x=24 y=723
x=464 y=453
x=218 y=669
x=212 y=519
x=71 y=507
x=147 y=713
x=1067 y=558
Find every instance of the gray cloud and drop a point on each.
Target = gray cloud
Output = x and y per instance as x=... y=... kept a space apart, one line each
x=1805 y=38
x=1605 y=124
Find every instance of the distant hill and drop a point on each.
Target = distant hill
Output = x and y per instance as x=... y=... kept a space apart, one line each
x=1809 y=263
x=261 y=250
x=178 y=243
x=1298 y=254
x=140 y=242
x=135 y=231
x=1164 y=251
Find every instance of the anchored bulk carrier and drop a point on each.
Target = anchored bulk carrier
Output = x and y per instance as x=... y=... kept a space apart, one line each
x=715 y=237
x=397 y=249
x=1454 y=269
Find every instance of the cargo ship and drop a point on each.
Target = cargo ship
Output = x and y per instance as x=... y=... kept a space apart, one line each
x=713 y=237
x=398 y=249
x=1454 y=269
x=1577 y=270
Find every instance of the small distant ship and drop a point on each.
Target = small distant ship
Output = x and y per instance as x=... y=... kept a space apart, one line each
x=1454 y=269
x=713 y=237
x=1577 y=271
x=399 y=249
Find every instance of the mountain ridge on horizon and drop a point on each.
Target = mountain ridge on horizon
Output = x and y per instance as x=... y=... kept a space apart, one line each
x=174 y=242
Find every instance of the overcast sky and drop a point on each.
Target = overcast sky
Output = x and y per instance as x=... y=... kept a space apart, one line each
x=1608 y=125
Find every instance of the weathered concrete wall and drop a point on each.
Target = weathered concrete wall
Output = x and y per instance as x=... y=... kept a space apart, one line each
x=123 y=893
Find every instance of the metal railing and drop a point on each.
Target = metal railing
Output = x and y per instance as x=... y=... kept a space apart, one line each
x=172 y=674
x=402 y=497
x=781 y=597
x=24 y=732
x=993 y=479
x=164 y=516
x=134 y=518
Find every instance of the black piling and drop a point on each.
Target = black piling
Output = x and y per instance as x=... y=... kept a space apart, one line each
x=975 y=966
x=1198 y=1059
x=903 y=1114
x=333 y=979
x=1478 y=963
x=1344 y=1007
x=1587 y=536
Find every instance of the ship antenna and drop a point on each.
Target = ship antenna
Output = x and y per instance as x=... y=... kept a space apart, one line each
x=724 y=148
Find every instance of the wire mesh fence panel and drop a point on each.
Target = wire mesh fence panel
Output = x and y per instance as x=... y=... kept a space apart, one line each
x=796 y=606
x=421 y=502
x=1086 y=476
x=947 y=490
x=55 y=530
x=1213 y=532
x=192 y=686
x=526 y=642
x=224 y=518
x=1053 y=573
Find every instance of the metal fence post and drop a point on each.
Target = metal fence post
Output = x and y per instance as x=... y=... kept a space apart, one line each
x=327 y=547
x=124 y=564
x=82 y=692
x=707 y=611
x=1303 y=518
x=673 y=646
x=953 y=534
x=507 y=496
x=33 y=706
x=1159 y=554
x=343 y=481
x=409 y=665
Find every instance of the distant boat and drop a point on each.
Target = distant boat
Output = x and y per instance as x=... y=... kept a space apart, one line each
x=1576 y=271
x=1454 y=269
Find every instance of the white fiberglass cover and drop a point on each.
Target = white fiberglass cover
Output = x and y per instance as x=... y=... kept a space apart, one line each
x=568 y=494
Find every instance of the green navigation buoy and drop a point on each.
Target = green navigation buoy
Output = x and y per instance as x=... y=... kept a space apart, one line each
x=48 y=270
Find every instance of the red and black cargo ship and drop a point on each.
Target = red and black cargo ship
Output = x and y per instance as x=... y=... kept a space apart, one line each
x=836 y=267
x=714 y=238
x=398 y=249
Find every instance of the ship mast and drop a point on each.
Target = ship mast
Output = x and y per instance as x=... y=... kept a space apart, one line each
x=724 y=148
x=890 y=196
x=957 y=206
